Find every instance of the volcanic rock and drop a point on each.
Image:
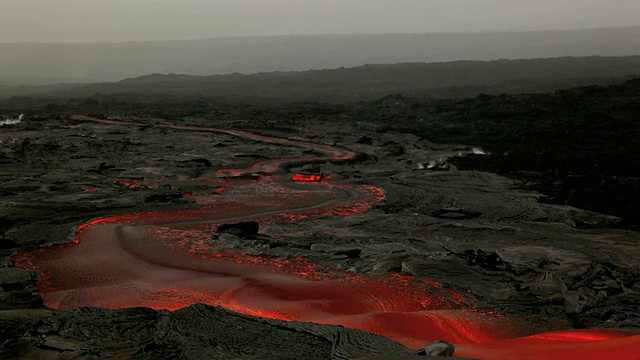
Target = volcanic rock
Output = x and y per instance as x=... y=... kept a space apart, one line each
x=365 y=140
x=438 y=348
x=241 y=229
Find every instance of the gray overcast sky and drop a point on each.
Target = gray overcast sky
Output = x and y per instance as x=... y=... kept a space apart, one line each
x=123 y=20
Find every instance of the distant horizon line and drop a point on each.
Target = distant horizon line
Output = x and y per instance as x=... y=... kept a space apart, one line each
x=316 y=35
x=167 y=74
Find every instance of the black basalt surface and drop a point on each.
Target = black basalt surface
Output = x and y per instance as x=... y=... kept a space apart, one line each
x=543 y=226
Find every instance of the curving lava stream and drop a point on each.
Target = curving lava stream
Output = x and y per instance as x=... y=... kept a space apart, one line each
x=169 y=260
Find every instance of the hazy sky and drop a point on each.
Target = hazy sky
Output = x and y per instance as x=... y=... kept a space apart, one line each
x=122 y=20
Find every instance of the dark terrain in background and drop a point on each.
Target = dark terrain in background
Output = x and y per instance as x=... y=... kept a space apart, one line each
x=577 y=146
x=42 y=64
x=364 y=83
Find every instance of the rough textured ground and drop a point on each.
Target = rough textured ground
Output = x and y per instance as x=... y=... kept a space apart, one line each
x=475 y=231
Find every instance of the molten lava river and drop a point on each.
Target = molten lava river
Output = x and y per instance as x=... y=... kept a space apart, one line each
x=168 y=260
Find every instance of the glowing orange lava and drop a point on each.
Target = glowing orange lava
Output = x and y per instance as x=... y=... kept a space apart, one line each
x=307 y=178
x=170 y=259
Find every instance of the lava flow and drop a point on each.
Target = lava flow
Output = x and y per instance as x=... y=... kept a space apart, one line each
x=169 y=260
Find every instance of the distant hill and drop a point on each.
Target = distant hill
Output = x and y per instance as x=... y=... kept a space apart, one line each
x=40 y=64
x=369 y=82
